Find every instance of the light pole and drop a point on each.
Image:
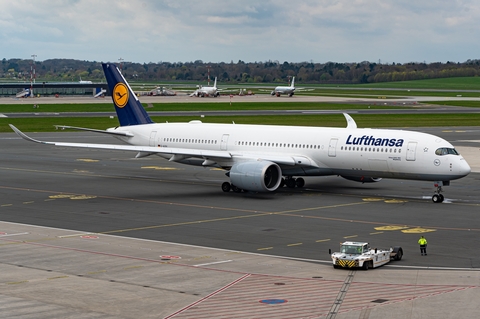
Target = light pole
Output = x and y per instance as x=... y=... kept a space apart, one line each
x=120 y=60
x=32 y=74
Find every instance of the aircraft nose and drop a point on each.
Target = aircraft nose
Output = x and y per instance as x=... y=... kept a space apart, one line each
x=463 y=167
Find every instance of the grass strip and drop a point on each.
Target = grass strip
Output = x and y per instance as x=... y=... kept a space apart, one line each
x=213 y=106
x=327 y=120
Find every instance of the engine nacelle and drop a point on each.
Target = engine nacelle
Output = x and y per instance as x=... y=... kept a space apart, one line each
x=362 y=179
x=256 y=176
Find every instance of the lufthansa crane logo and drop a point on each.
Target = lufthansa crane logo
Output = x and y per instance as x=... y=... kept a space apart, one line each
x=120 y=95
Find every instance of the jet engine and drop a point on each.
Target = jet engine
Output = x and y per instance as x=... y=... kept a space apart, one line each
x=362 y=179
x=256 y=176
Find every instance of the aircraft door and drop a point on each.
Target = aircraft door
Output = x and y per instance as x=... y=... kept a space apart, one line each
x=224 y=142
x=332 y=147
x=153 y=134
x=411 y=151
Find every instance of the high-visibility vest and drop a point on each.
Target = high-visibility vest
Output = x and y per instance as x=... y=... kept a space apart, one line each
x=422 y=241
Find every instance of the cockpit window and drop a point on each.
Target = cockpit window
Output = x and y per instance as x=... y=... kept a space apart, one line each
x=446 y=151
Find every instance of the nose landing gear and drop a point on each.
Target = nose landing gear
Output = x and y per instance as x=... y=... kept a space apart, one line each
x=438 y=196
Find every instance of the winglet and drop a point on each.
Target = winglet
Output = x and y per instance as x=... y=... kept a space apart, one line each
x=350 y=121
x=26 y=137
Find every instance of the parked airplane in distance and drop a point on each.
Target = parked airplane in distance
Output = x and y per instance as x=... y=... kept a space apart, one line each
x=289 y=90
x=263 y=158
x=204 y=91
x=84 y=82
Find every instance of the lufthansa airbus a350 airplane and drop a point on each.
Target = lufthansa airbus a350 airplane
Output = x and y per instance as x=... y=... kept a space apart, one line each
x=262 y=158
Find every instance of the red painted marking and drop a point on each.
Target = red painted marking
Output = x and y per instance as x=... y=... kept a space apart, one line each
x=209 y=296
x=2 y=233
x=89 y=237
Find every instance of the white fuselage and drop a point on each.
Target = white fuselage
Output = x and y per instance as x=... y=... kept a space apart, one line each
x=208 y=90
x=283 y=90
x=288 y=90
x=314 y=151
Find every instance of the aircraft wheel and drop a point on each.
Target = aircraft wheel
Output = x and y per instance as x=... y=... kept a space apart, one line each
x=441 y=198
x=290 y=182
x=226 y=187
x=282 y=183
x=437 y=198
x=300 y=182
x=236 y=189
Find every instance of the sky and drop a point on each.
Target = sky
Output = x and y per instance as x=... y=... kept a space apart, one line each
x=319 y=31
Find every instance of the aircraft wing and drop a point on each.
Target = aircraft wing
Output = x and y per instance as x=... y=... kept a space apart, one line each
x=304 y=89
x=188 y=152
x=92 y=130
x=133 y=148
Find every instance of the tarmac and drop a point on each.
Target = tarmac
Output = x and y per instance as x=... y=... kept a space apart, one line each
x=184 y=98
x=50 y=272
x=56 y=273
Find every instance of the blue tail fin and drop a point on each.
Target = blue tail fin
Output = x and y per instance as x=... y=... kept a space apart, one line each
x=129 y=109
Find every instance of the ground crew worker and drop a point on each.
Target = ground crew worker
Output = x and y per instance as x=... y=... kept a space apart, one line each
x=423 y=245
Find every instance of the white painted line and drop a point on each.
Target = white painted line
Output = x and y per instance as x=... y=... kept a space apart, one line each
x=213 y=263
x=74 y=235
x=329 y=262
x=17 y=234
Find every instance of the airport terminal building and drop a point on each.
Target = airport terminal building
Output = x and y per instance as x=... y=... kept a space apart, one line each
x=25 y=89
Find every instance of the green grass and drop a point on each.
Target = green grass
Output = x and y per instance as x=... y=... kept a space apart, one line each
x=373 y=93
x=456 y=103
x=452 y=83
x=329 y=120
x=214 y=106
x=23 y=108
x=455 y=83
x=458 y=83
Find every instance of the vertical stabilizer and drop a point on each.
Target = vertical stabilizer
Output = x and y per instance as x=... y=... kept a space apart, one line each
x=215 y=83
x=129 y=109
x=293 y=82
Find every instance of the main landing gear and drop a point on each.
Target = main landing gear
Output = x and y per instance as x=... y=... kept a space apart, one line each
x=226 y=187
x=438 y=196
x=289 y=181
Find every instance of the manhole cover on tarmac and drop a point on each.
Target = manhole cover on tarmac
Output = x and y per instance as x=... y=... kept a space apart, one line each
x=273 y=301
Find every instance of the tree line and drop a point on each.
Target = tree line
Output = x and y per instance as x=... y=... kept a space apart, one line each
x=239 y=72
